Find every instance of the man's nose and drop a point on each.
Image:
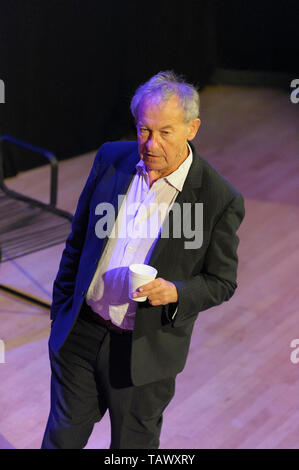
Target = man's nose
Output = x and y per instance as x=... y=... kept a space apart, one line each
x=152 y=143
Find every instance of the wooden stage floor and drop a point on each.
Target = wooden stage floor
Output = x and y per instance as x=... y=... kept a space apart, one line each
x=239 y=389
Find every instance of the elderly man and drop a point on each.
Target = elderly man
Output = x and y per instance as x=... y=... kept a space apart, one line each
x=107 y=349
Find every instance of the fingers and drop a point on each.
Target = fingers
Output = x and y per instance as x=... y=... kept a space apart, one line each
x=150 y=288
x=159 y=292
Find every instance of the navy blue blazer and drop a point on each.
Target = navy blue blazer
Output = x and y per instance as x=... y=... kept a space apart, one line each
x=204 y=277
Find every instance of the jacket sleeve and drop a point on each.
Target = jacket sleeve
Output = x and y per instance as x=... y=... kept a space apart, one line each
x=64 y=284
x=217 y=280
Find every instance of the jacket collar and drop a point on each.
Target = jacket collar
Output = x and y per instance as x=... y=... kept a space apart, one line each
x=125 y=172
x=190 y=193
x=193 y=179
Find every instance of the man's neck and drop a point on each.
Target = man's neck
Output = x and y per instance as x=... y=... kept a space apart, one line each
x=154 y=175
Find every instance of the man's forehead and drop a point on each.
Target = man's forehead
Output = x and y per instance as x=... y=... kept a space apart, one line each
x=153 y=107
x=158 y=101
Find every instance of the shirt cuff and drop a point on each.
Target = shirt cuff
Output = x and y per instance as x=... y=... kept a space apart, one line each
x=174 y=314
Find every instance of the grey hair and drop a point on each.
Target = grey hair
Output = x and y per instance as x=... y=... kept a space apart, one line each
x=162 y=87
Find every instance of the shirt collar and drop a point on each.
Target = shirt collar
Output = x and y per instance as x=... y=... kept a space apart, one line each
x=177 y=177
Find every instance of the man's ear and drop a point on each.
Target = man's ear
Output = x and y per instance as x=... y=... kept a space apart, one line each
x=193 y=127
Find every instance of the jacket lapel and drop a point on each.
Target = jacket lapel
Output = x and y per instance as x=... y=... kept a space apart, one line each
x=116 y=182
x=118 y=178
x=189 y=194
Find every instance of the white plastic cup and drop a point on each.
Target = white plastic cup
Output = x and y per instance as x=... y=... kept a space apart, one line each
x=140 y=274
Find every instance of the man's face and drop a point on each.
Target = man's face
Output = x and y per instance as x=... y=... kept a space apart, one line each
x=162 y=135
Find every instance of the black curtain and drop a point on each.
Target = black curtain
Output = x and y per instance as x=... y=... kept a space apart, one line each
x=70 y=67
x=258 y=35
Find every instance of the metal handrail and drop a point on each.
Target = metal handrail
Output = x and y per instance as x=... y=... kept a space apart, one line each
x=51 y=207
x=53 y=183
x=49 y=156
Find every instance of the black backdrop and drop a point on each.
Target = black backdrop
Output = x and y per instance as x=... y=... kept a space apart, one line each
x=70 y=67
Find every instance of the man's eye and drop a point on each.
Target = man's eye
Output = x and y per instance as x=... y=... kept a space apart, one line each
x=165 y=132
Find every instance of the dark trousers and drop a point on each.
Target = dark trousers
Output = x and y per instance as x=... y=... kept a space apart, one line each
x=90 y=375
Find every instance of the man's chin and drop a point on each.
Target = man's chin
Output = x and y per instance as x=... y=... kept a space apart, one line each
x=150 y=165
x=152 y=160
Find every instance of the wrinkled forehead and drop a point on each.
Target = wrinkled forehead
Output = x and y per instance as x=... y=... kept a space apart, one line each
x=155 y=105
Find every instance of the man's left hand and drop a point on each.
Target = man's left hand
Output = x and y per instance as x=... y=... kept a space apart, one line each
x=159 y=292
